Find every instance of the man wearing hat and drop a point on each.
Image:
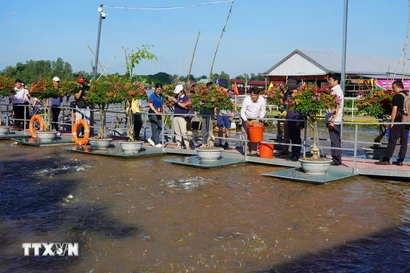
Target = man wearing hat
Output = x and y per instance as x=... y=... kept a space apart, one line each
x=291 y=125
x=224 y=119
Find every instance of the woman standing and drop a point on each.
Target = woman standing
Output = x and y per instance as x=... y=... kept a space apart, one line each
x=155 y=110
x=181 y=103
x=136 y=115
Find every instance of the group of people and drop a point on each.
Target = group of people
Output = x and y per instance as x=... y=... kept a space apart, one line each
x=334 y=118
x=21 y=101
x=182 y=117
x=253 y=108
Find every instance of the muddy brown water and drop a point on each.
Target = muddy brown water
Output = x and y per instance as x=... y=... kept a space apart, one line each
x=146 y=215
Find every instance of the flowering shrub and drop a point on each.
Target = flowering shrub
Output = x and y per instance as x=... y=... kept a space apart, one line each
x=273 y=95
x=209 y=98
x=44 y=89
x=310 y=100
x=6 y=86
x=134 y=90
x=104 y=91
x=376 y=103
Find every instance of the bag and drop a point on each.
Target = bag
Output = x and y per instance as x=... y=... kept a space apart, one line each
x=406 y=108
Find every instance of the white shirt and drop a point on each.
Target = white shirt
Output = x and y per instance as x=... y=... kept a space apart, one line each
x=336 y=90
x=20 y=96
x=253 y=110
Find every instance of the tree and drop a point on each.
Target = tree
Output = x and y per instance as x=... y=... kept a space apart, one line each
x=134 y=58
x=225 y=76
x=57 y=67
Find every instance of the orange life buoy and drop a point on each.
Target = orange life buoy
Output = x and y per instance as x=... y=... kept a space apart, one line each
x=83 y=140
x=31 y=124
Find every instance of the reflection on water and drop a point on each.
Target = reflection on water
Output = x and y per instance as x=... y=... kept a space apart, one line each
x=146 y=215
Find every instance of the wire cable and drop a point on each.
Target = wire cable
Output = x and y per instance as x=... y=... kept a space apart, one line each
x=173 y=8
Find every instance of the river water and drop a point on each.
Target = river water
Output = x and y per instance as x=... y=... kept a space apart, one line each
x=146 y=215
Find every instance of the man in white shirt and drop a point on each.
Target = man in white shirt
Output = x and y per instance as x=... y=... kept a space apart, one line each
x=334 y=118
x=20 y=101
x=253 y=108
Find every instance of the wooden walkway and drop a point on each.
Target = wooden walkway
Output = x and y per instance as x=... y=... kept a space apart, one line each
x=360 y=166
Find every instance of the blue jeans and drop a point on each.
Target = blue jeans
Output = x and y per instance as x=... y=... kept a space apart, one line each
x=156 y=127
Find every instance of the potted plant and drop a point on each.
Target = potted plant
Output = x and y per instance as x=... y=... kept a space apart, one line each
x=132 y=91
x=6 y=89
x=102 y=93
x=309 y=100
x=376 y=103
x=43 y=90
x=207 y=99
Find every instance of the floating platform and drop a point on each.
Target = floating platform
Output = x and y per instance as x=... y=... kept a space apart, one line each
x=114 y=151
x=14 y=134
x=299 y=175
x=194 y=161
x=29 y=141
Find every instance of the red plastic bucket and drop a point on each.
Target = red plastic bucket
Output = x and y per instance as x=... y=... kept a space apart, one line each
x=255 y=133
x=266 y=150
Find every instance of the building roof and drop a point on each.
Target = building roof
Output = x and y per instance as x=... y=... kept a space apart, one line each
x=303 y=62
x=250 y=82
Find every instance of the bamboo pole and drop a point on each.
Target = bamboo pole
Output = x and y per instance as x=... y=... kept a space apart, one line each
x=192 y=60
x=220 y=38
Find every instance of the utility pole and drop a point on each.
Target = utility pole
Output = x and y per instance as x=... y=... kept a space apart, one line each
x=102 y=16
x=344 y=45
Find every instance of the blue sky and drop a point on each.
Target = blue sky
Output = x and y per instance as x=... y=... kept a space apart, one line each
x=259 y=32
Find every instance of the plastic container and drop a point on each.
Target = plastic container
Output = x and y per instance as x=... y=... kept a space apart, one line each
x=255 y=133
x=386 y=136
x=266 y=150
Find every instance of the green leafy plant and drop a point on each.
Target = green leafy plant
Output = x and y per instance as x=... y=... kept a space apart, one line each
x=135 y=90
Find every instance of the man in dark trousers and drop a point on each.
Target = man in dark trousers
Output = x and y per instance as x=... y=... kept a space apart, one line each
x=397 y=130
x=334 y=118
x=293 y=126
